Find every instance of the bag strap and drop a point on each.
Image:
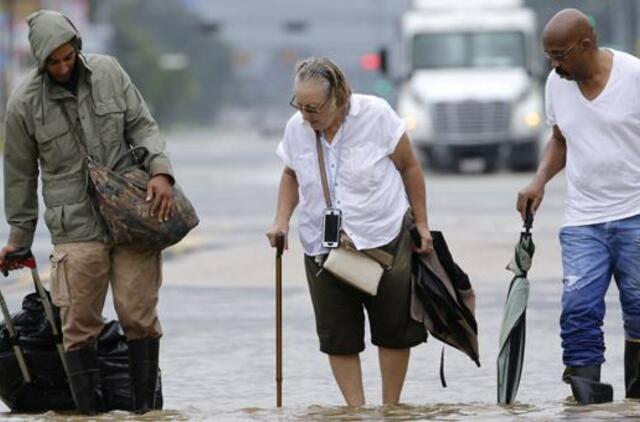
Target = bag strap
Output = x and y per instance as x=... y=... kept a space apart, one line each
x=131 y=153
x=323 y=170
x=379 y=255
x=383 y=257
x=443 y=381
x=75 y=136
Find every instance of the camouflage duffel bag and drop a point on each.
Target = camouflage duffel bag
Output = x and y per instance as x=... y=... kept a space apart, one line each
x=121 y=200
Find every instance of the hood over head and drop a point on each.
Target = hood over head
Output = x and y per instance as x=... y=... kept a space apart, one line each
x=49 y=30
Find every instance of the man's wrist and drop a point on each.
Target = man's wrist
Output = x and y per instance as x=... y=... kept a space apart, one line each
x=422 y=225
x=162 y=167
x=168 y=177
x=20 y=238
x=541 y=177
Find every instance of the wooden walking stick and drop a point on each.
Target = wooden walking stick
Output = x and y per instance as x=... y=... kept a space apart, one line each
x=279 y=249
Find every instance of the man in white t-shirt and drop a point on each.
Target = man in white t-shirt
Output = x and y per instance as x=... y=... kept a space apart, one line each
x=592 y=104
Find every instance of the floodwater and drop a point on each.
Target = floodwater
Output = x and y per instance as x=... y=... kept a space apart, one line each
x=217 y=307
x=218 y=363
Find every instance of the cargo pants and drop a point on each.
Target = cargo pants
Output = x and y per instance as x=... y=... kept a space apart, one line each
x=80 y=276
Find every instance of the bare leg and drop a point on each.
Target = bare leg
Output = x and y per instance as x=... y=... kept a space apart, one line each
x=393 y=368
x=346 y=371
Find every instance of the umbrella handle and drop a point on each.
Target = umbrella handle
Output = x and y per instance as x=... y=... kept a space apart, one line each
x=415 y=236
x=528 y=216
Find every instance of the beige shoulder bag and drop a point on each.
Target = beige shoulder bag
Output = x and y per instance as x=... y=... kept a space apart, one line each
x=361 y=269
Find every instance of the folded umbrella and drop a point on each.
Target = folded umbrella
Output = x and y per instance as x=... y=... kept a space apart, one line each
x=512 y=333
x=443 y=299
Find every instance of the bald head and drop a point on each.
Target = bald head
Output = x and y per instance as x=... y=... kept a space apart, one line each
x=571 y=45
x=567 y=26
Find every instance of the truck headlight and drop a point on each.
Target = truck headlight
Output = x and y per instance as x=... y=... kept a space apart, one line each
x=412 y=122
x=532 y=119
x=527 y=119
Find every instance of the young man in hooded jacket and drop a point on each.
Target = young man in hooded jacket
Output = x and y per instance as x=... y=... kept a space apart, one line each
x=109 y=116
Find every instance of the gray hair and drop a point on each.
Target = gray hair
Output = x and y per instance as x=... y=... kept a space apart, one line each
x=328 y=74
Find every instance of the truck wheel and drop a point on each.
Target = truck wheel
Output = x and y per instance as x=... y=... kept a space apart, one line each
x=524 y=157
x=523 y=166
x=490 y=165
x=439 y=160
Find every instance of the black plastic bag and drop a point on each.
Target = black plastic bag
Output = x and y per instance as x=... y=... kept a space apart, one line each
x=49 y=389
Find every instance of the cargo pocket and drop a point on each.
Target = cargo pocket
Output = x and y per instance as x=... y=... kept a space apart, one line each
x=78 y=219
x=110 y=119
x=59 y=286
x=53 y=220
x=56 y=146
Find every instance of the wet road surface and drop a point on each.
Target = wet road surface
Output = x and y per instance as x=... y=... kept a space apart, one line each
x=217 y=304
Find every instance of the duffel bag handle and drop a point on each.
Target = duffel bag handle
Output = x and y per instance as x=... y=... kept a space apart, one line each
x=138 y=154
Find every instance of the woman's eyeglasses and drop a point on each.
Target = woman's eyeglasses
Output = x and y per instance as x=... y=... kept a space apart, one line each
x=308 y=108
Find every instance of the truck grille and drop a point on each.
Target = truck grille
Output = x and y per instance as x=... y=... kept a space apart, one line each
x=471 y=121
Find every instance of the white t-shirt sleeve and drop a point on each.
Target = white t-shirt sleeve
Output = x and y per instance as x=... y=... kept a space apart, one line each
x=392 y=127
x=548 y=101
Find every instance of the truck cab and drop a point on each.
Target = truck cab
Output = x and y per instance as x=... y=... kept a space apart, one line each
x=469 y=86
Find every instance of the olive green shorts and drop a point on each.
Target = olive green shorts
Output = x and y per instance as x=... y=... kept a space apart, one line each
x=339 y=308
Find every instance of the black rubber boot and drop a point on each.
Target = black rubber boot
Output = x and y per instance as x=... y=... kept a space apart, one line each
x=85 y=380
x=143 y=367
x=586 y=386
x=632 y=369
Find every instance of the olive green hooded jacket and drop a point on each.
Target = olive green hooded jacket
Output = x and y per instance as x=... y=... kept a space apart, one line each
x=109 y=115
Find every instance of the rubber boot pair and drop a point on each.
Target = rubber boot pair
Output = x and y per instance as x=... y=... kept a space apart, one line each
x=143 y=367
x=586 y=386
x=85 y=379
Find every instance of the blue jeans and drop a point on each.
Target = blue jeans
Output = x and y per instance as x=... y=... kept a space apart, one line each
x=590 y=256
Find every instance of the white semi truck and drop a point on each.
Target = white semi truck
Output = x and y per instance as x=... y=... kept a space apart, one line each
x=469 y=86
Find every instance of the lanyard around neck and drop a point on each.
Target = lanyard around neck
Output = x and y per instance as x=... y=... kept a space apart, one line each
x=332 y=176
x=323 y=170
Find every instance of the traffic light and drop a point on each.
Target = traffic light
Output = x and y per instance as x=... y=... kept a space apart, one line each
x=370 y=61
x=375 y=61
